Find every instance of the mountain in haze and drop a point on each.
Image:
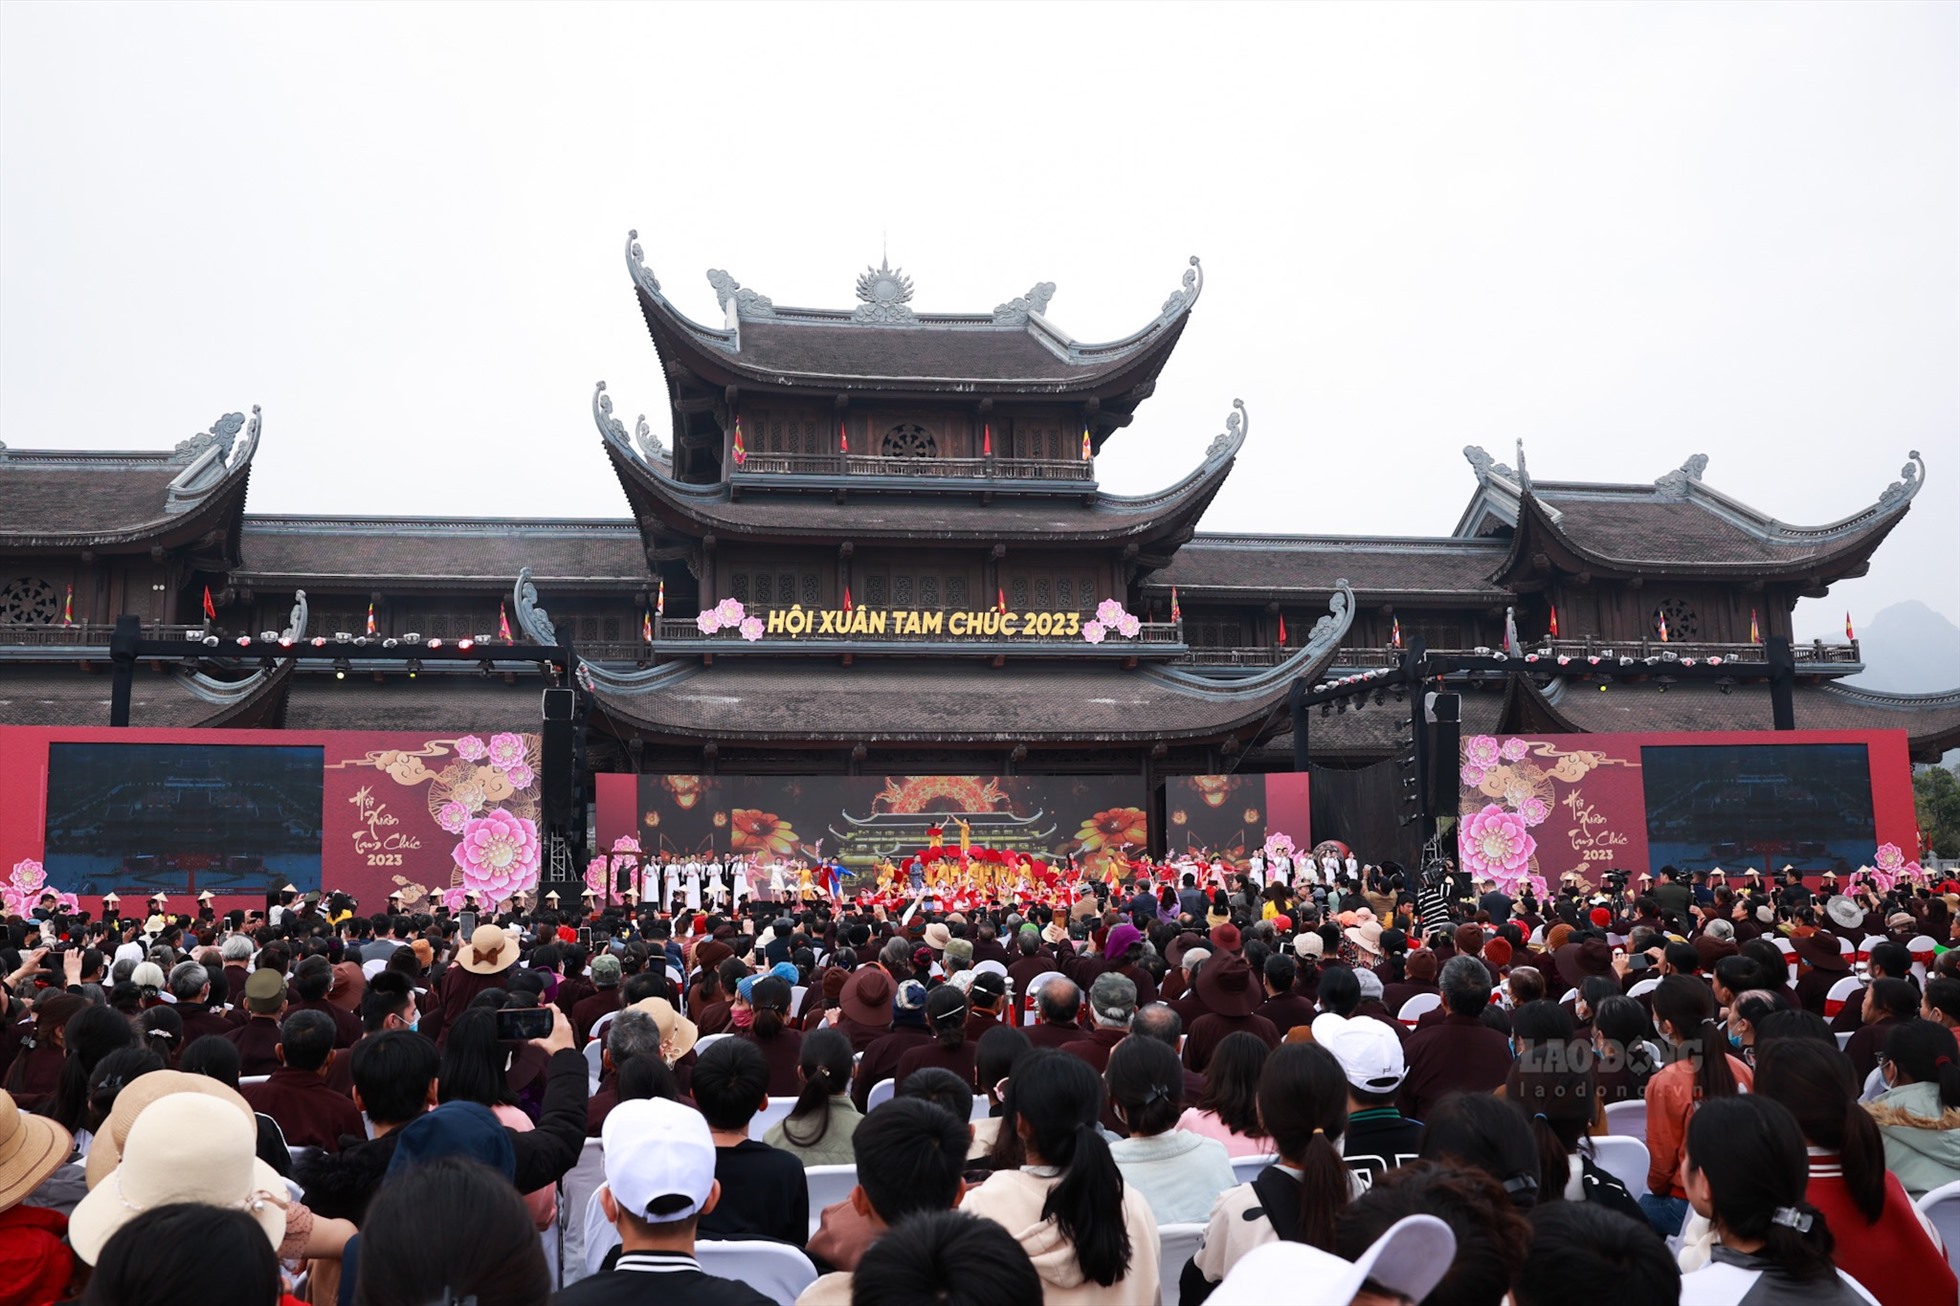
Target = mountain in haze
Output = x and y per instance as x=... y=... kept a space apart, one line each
x=1910 y=649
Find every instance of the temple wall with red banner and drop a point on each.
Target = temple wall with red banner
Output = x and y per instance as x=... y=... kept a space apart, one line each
x=241 y=812
x=1543 y=805
x=867 y=819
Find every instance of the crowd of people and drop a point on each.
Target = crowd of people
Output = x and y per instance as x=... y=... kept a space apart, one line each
x=1377 y=1088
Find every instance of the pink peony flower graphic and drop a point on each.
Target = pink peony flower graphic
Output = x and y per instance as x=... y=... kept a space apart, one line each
x=453 y=816
x=498 y=855
x=1514 y=749
x=1472 y=776
x=1127 y=625
x=597 y=872
x=729 y=612
x=1496 y=843
x=506 y=750
x=1889 y=858
x=1482 y=750
x=751 y=629
x=471 y=749
x=1109 y=612
x=1092 y=632
x=1535 y=810
x=521 y=775
x=626 y=843
x=708 y=622
x=452 y=897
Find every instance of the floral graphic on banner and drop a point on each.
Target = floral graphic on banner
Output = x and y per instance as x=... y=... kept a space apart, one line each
x=1111 y=617
x=22 y=892
x=1511 y=791
x=759 y=833
x=1114 y=830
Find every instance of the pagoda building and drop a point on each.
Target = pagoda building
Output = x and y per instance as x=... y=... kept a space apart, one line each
x=871 y=540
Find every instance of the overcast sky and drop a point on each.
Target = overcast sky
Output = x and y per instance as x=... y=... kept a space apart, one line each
x=1625 y=234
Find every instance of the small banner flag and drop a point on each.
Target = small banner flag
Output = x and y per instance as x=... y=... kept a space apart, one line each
x=1282 y=630
x=370 y=621
x=843 y=437
x=660 y=599
x=646 y=627
x=503 y=622
x=1000 y=599
x=1663 y=628
x=987 y=440
x=1395 y=634
x=1847 y=625
x=211 y=610
x=1085 y=444
x=1552 y=629
x=1176 y=614
x=1755 y=634
x=847 y=596
x=68 y=607
x=741 y=449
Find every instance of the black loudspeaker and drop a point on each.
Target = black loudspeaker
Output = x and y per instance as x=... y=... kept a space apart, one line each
x=556 y=781
x=1446 y=719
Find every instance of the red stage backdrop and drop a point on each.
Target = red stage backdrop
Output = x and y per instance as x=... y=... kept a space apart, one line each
x=1232 y=816
x=1538 y=806
x=242 y=812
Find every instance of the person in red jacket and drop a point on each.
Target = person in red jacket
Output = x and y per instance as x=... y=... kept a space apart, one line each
x=1880 y=1240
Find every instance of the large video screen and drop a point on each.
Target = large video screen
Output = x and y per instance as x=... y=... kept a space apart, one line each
x=183 y=818
x=1807 y=805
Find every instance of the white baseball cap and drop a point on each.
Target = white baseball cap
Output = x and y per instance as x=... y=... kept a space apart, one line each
x=1369 y=1053
x=1411 y=1258
x=656 y=1148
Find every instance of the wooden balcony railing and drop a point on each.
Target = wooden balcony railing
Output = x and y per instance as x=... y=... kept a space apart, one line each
x=1071 y=471
x=925 y=628
x=1817 y=654
x=86 y=634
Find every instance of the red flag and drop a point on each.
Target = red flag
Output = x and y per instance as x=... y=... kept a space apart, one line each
x=660 y=599
x=1176 y=615
x=646 y=627
x=987 y=440
x=1755 y=636
x=1847 y=625
x=500 y=609
x=1395 y=635
x=1000 y=601
x=1282 y=630
x=843 y=438
x=1552 y=630
x=1663 y=628
x=1085 y=444
x=503 y=622
x=68 y=607
x=211 y=610
x=847 y=596
x=741 y=449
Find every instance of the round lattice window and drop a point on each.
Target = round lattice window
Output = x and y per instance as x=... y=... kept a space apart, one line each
x=1679 y=618
x=910 y=440
x=28 y=602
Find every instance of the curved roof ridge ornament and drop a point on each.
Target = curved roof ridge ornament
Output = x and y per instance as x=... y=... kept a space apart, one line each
x=1485 y=466
x=651 y=450
x=1014 y=313
x=745 y=303
x=533 y=620
x=636 y=264
x=1912 y=477
x=1226 y=444
x=1677 y=481
x=606 y=680
x=1322 y=640
x=1181 y=300
x=610 y=427
x=209 y=458
x=1524 y=474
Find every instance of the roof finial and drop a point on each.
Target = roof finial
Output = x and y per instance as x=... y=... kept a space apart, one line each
x=1524 y=476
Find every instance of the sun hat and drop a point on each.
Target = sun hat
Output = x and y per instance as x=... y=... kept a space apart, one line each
x=489 y=952
x=657 y=1149
x=106 y=1150
x=1053 y=933
x=1367 y=936
x=678 y=1034
x=867 y=996
x=1845 y=911
x=1899 y=920
x=1226 y=986
x=937 y=936
x=31 y=1149
x=1411 y=1258
x=186 y=1147
x=1368 y=1050
x=1821 y=951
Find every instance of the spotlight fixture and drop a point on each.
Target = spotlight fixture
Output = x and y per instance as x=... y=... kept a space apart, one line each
x=414 y=667
x=1662 y=682
x=266 y=664
x=413 y=637
x=210 y=641
x=465 y=644
x=390 y=642
x=1726 y=684
x=435 y=643
x=489 y=668
x=1327 y=709
x=1602 y=687
x=341 y=666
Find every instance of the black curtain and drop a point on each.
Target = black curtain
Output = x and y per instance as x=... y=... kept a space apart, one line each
x=1360 y=807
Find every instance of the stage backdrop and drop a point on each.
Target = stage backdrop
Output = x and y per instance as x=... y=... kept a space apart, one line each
x=241 y=812
x=1542 y=805
x=1231 y=816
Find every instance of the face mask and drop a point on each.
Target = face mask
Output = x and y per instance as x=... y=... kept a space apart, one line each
x=1735 y=1040
x=741 y=1018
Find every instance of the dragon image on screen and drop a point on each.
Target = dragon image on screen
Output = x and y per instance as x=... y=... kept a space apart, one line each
x=183 y=818
x=1765 y=806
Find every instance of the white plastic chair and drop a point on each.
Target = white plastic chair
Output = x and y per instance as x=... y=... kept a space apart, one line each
x=578 y=1190
x=828 y=1184
x=1644 y=987
x=775 y=1110
x=1844 y=1038
x=881 y=1092
x=1623 y=1158
x=1874 y=1085
x=796 y=995
x=1176 y=1244
x=1417 y=1007
x=253 y=1079
x=1629 y=1120
x=598 y=1235
x=982 y=1109
x=1246 y=1168
x=1941 y=1207
x=594 y=1065
x=1840 y=993
x=707 y=1041
x=1866 y=944
x=599 y=1025
x=776 y=1270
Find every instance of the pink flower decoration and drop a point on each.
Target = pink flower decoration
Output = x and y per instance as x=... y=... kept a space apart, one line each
x=751 y=629
x=1128 y=626
x=597 y=872
x=1534 y=810
x=1514 y=749
x=1109 y=612
x=1482 y=750
x=471 y=749
x=730 y=612
x=1563 y=659
x=521 y=775
x=452 y=897
x=1472 y=776
x=1715 y=661
x=626 y=843
x=1496 y=843
x=453 y=816
x=708 y=622
x=506 y=750
x=1889 y=857
x=1092 y=632
x=498 y=855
